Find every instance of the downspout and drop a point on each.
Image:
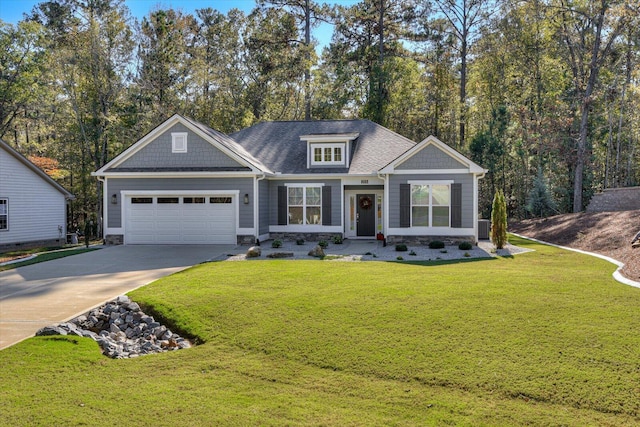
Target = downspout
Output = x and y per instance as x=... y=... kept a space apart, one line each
x=256 y=207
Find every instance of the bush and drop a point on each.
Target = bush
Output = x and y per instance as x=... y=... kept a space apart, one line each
x=436 y=244
x=499 y=220
x=276 y=243
x=401 y=247
x=300 y=242
x=465 y=246
x=399 y=258
x=337 y=240
x=413 y=253
x=323 y=244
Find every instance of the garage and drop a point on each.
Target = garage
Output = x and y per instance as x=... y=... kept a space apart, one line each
x=180 y=219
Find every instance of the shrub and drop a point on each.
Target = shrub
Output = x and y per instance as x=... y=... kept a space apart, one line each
x=401 y=247
x=337 y=240
x=499 y=220
x=300 y=242
x=323 y=244
x=436 y=244
x=276 y=243
x=465 y=246
x=412 y=253
x=399 y=258
x=467 y=254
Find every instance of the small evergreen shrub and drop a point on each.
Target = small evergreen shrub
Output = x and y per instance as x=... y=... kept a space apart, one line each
x=499 y=220
x=412 y=253
x=300 y=242
x=323 y=244
x=276 y=243
x=436 y=244
x=337 y=240
x=399 y=258
x=465 y=246
x=401 y=247
x=467 y=255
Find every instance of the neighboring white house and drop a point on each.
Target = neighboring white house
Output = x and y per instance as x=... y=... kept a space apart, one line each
x=33 y=207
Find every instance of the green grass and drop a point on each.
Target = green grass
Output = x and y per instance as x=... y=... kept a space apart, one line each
x=543 y=338
x=46 y=256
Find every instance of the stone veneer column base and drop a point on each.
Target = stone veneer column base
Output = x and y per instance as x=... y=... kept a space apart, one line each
x=113 y=239
x=425 y=240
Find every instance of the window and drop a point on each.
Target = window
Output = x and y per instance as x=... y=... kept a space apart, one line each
x=178 y=142
x=4 y=214
x=304 y=205
x=168 y=200
x=219 y=199
x=430 y=204
x=193 y=200
x=141 y=200
x=328 y=154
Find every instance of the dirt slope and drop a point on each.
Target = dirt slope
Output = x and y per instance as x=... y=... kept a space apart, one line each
x=606 y=233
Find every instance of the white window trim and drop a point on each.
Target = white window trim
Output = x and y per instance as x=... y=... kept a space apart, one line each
x=304 y=187
x=430 y=184
x=6 y=203
x=175 y=137
x=333 y=146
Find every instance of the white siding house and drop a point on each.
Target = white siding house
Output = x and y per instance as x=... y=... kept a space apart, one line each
x=33 y=207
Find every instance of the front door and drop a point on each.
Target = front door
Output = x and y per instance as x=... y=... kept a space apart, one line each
x=366 y=214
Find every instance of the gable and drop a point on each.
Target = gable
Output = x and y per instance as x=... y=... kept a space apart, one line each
x=431 y=157
x=160 y=153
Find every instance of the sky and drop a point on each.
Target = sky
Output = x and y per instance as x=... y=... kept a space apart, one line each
x=12 y=11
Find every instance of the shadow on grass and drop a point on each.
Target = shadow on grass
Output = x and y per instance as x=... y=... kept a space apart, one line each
x=446 y=261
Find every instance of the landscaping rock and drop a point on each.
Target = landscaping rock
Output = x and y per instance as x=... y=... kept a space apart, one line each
x=121 y=329
x=254 y=252
x=280 y=255
x=317 y=252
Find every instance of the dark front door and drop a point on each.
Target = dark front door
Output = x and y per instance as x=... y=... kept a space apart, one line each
x=366 y=215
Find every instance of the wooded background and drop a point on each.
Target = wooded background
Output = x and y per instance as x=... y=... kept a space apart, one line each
x=543 y=93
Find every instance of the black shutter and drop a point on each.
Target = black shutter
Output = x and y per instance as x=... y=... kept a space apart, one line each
x=405 y=205
x=282 y=205
x=326 y=205
x=456 y=205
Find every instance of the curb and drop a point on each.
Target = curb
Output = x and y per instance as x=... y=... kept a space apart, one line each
x=616 y=274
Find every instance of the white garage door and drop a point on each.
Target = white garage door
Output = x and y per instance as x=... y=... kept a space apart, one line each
x=179 y=220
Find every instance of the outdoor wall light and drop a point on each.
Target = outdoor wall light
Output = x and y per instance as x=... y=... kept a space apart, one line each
x=246 y=199
x=114 y=199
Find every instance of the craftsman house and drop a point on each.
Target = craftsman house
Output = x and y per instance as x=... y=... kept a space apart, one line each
x=185 y=183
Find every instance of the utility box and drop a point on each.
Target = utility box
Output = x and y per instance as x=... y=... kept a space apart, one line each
x=484 y=229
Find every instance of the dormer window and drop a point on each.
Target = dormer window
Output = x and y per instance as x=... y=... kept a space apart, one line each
x=327 y=154
x=329 y=149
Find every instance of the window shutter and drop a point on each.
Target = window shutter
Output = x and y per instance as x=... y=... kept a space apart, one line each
x=405 y=205
x=282 y=205
x=456 y=205
x=326 y=205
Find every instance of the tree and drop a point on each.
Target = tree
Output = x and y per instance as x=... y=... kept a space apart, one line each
x=540 y=203
x=499 y=220
x=589 y=30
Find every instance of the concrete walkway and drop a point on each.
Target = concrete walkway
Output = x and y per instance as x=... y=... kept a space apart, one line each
x=54 y=291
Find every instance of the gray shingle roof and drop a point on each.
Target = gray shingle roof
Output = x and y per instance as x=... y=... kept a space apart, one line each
x=279 y=148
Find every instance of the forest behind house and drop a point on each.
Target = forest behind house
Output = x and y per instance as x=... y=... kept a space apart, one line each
x=545 y=94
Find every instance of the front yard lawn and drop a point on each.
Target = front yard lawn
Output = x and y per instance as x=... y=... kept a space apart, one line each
x=543 y=338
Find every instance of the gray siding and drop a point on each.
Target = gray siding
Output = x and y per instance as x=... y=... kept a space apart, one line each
x=431 y=157
x=336 y=198
x=200 y=153
x=265 y=202
x=467 y=195
x=243 y=185
x=36 y=208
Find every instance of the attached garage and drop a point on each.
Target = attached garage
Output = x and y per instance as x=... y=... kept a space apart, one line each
x=180 y=219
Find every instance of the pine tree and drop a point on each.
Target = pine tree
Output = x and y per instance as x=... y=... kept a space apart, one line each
x=540 y=203
x=499 y=220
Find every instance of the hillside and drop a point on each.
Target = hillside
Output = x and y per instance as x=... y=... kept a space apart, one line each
x=606 y=233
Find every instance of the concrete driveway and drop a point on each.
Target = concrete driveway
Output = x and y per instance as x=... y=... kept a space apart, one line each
x=55 y=291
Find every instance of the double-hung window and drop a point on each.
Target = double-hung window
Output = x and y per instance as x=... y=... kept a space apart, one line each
x=430 y=204
x=304 y=204
x=4 y=214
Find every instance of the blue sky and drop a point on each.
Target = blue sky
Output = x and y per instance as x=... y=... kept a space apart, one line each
x=12 y=10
